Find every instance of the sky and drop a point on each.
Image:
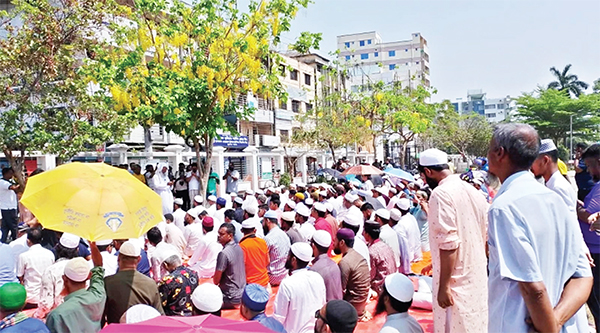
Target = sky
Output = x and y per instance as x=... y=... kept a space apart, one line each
x=502 y=47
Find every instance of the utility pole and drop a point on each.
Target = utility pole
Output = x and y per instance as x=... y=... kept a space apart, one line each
x=571 y=131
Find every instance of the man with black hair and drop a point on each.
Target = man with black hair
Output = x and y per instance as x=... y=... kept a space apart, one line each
x=32 y=264
x=337 y=316
x=367 y=210
x=8 y=205
x=356 y=278
x=301 y=293
x=174 y=235
x=381 y=255
x=305 y=229
x=457 y=234
x=193 y=179
x=230 y=272
x=160 y=248
x=583 y=178
x=229 y=216
x=319 y=212
x=287 y=225
x=274 y=203
x=395 y=299
x=239 y=211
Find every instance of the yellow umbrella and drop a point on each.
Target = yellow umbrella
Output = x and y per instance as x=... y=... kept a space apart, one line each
x=92 y=200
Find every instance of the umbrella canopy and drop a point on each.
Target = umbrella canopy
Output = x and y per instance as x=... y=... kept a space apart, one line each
x=196 y=324
x=332 y=172
x=94 y=201
x=362 y=170
x=400 y=174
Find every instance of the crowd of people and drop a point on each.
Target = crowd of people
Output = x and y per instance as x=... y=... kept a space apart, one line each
x=513 y=258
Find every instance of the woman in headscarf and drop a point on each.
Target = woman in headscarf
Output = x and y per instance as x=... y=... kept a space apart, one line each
x=162 y=186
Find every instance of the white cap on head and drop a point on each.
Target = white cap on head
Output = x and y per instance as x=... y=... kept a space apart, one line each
x=322 y=238
x=193 y=213
x=288 y=216
x=320 y=207
x=199 y=199
x=350 y=197
x=77 y=269
x=323 y=193
x=393 y=190
x=366 y=194
x=238 y=200
x=353 y=218
x=130 y=249
x=212 y=198
x=301 y=209
x=104 y=242
x=383 y=213
x=260 y=192
x=249 y=192
x=329 y=207
x=251 y=209
x=395 y=214
x=270 y=214
x=433 y=157
x=178 y=201
x=547 y=145
x=403 y=203
x=291 y=203
x=383 y=190
x=302 y=251
x=163 y=255
x=233 y=195
x=400 y=287
x=139 y=313
x=69 y=241
x=248 y=224
x=207 y=297
x=309 y=201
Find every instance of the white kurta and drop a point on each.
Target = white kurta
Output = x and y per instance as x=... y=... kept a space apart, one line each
x=204 y=259
x=179 y=218
x=401 y=323
x=162 y=188
x=409 y=228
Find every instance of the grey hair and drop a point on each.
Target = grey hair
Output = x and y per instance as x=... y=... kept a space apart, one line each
x=173 y=260
x=520 y=141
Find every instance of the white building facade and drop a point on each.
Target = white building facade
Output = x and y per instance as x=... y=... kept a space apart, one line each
x=493 y=109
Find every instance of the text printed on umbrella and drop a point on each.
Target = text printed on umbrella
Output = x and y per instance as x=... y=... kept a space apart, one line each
x=113 y=220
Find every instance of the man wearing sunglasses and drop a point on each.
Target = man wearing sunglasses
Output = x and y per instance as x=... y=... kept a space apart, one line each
x=337 y=316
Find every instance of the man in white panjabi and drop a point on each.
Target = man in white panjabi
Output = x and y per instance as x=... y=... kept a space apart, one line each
x=162 y=186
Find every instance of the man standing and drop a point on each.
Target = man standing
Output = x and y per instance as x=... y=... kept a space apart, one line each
x=204 y=259
x=251 y=218
x=305 y=229
x=162 y=186
x=279 y=247
x=178 y=214
x=230 y=273
x=254 y=303
x=382 y=256
x=32 y=265
x=177 y=286
x=326 y=267
x=356 y=279
x=193 y=179
x=232 y=177
x=83 y=307
x=387 y=235
x=408 y=227
x=583 y=177
x=174 y=235
x=457 y=234
x=193 y=230
x=213 y=182
x=109 y=260
x=537 y=268
x=287 y=223
x=8 y=205
x=129 y=287
x=256 y=255
x=301 y=293
x=395 y=300
x=319 y=213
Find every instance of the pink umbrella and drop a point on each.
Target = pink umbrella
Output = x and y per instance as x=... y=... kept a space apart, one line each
x=362 y=170
x=197 y=324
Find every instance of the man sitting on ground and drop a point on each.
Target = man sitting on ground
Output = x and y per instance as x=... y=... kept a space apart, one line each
x=337 y=316
x=177 y=286
x=207 y=299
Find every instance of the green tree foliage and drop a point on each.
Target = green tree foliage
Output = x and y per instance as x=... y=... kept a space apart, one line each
x=183 y=66
x=567 y=82
x=550 y=111
x=46 y=98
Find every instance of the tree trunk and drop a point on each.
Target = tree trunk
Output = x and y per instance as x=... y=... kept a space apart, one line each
x=147 y=140
x=332 y=154
x=16 y=162
x=204 y=167
x=374 y=148
x=402 y=155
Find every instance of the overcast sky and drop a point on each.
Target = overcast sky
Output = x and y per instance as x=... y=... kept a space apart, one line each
x=502 y=47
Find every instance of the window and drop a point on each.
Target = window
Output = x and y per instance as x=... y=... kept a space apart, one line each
x=392 y=53
x=309 y=106
x=416 y=49
x=347 y=58
x=392 y=67
x=294 y=75
x=362 y=43
x=347 y=44
x=369 y=42
x=284 y=133
x=500 y=106
x=295 y=106
x=490 y=115
x=282 y=70
x=364 y=56
x=490 y=106
x=307 y=79
x=283 y=105
x=376 y=54
x=408 y=63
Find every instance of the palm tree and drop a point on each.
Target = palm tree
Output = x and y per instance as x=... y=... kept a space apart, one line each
x=567 y=82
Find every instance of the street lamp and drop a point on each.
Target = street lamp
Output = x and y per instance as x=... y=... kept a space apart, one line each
x=571 y=131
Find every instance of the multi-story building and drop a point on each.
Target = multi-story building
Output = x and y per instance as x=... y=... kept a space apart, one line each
x=370 y=60
x=494 y=109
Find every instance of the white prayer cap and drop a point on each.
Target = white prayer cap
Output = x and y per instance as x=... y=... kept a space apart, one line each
x=130 y=249
x=199 y=199
x=353 y=219
x=309 y=202
x=139 y=313
x=547 y=145
x=163 y=255
x=233 y=195
x=69 y=241
x=365 y=194
x=291 y=203
x=301 y=209
x=260 y=192
x=289 y=216
x=401 y=185
x=329 y=207
x=238 y=200
x=395 y=214
x=322 y=237
x=178 y=201
x=302 y=251
x=400 y=287
x=383 y=190
x=249 y=192
x=320 y=207
x=212 y=198
x=193 y=213
x=270 y=214
x=251 y=209
x=139 y=242
x=323 y=193
x=383 y=213
x=403 y=203
x=248 y=224
x=300 y=184
x=433 y=157
x=393 y=190
x=350 y=197
x=207 y=297
x=104 y=242
x=77 y=269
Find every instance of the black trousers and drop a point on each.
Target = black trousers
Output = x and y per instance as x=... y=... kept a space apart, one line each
x=10 y=223
x=594 y=300
x=185 y=196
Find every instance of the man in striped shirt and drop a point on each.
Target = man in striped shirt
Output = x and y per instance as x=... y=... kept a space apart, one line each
x=279 y=247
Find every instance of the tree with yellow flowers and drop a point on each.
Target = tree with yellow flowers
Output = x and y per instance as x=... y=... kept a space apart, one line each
x=183 y=66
